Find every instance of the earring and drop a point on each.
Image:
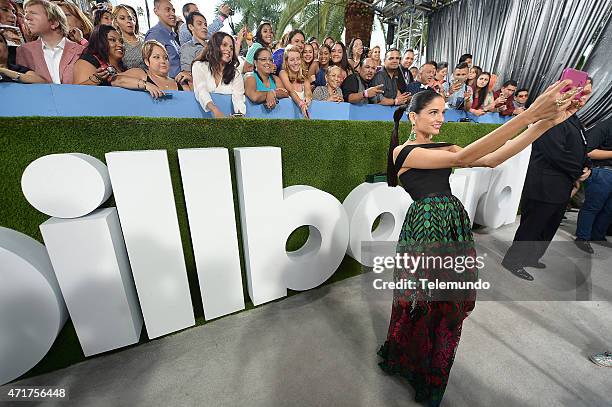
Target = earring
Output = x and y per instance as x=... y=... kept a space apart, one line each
x=412 y=135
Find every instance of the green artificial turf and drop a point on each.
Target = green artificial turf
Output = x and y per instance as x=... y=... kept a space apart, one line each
x=334 y=156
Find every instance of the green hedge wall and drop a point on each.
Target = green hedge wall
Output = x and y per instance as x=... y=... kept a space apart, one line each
x=334 y=156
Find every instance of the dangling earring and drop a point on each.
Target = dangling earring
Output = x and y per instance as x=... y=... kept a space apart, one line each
x=412 y=135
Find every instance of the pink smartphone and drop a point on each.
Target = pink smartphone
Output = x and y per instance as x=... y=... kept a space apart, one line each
x=578 y=78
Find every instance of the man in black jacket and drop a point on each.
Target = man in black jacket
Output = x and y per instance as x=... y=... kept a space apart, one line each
x=558 y=160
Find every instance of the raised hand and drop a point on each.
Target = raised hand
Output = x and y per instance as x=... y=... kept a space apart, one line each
x=75 y=34
x=552 y=104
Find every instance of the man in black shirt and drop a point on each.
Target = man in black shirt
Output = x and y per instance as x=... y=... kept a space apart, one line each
x=392 y=80
x=558 y=160
x=356 y=87
x=596 y=213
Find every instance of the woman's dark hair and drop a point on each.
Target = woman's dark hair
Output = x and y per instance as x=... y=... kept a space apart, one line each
x=98 y=42
x=418 y=103
x=465 y=57
x=482 y=92
x=212 y=55
x=329 y=50
x=98 y=14
x=258 y=37
x=344 y=63
x=256 y=55
x=292 y=34
x=350 y=47
x=441 y=65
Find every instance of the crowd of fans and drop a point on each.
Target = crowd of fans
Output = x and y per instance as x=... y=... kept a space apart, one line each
x=56 y=42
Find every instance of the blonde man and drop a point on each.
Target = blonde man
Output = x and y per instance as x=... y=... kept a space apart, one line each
x=52 y=55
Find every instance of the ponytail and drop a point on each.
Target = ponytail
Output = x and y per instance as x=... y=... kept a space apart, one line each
x=394 y=142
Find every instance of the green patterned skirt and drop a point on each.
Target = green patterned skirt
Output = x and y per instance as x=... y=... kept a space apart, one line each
x=424 y=331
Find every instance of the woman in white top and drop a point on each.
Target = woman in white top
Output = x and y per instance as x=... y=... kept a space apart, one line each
x=295 y=78
x=215 y=71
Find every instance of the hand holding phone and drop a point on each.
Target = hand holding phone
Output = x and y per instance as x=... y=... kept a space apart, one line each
x=578 y=78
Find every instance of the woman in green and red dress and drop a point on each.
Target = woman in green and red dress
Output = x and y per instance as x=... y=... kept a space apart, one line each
x=424 y=331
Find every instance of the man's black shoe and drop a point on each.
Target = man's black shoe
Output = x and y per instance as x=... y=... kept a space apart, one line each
x=521 y=273
x=536 y=265
x=518 y=271
x=584 y=245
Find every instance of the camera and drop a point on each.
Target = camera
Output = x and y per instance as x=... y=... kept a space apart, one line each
x=111 y=71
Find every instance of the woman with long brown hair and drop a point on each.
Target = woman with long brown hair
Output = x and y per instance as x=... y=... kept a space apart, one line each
x=483 y=98
x=355 y=52
x=215 y=70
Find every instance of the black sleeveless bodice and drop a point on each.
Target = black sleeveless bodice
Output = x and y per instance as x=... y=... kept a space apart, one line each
x=420 y=183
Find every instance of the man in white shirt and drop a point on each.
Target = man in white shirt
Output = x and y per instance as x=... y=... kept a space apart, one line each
x=52 y=56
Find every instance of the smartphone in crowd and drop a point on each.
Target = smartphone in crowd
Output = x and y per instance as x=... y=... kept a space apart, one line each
x=578 y=78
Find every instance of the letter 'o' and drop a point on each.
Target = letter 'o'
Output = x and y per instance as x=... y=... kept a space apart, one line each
x=32 y=309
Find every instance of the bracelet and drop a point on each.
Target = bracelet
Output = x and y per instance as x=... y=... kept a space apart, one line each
x=18 y=77
x=395 y=102
x=97 y=80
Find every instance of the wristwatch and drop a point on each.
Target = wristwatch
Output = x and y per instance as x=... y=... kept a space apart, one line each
x=18 y=77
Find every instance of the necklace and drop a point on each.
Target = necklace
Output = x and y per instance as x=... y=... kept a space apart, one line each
x=157 y=78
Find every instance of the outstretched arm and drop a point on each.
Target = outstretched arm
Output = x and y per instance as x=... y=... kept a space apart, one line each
x=544 y=107
x=512 y=147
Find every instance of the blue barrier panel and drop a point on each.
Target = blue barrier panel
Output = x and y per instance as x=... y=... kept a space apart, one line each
x=371 y=112
x=329 y=110
x=17 y=100
x=223 y=102
x=453 y=115
x=490 y=118
x=76 y=100
x=284 y=110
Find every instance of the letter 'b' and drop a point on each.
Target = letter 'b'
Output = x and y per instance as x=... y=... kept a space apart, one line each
x=269 y=214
